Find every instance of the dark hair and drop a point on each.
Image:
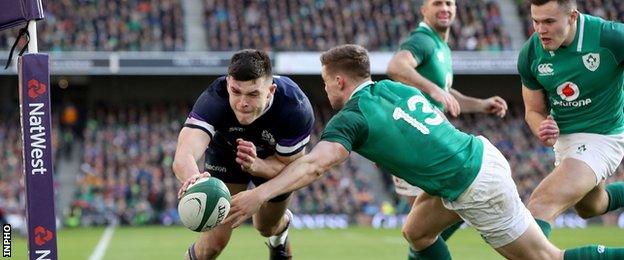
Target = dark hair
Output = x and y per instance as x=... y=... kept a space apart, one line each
x=250 y=64
x=349 y=58
x=565 y=4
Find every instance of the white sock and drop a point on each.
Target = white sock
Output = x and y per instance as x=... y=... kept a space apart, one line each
x=280 y=239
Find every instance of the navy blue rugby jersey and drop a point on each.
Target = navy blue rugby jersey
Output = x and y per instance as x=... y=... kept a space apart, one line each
x=284 y=128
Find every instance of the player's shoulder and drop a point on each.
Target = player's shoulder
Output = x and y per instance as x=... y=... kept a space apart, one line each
x=289 y=98
x=214 y=94
x=288 y=91
x=420 y=36
x=530 y=47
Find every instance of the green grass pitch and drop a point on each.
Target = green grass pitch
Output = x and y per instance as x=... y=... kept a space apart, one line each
x=137 y=243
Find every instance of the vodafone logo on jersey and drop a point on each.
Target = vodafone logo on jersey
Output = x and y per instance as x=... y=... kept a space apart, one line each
x=568 y=91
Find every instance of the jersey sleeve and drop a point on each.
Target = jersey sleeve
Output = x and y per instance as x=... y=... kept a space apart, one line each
x=524 y=68
x=296 y=133
x=347 y=128
x=207 y=111
x=420 y=46
x=613 y=39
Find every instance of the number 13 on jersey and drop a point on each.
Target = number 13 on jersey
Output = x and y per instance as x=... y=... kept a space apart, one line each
x=426 y=108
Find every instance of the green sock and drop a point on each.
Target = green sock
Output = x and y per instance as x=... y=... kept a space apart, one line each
x=545 y=226
x=438 y=251
x=449 y=231
x=594 y=252
x=616 y=195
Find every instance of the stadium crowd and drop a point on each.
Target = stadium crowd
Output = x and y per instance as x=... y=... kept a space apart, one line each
x=87 y=25
x=300 y=25
x=313 y=25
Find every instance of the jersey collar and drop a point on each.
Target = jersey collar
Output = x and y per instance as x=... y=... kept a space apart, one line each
x=361 y=86
x=428 y=28
x=577 y=43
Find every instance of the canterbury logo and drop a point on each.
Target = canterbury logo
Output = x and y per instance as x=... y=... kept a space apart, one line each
x=545 y=69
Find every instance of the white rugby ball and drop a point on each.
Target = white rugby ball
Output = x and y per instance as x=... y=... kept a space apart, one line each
x=204 y=205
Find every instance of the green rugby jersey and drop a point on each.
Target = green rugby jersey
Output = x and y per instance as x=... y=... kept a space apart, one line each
x=433 y=56
x=395 y=126
x=583 y=81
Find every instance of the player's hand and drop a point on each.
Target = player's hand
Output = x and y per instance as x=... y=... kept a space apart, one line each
x=450 y=103
x=190 y=181
x=246 y=155
x=243 y=206
x=495 y=105
x=548 y=131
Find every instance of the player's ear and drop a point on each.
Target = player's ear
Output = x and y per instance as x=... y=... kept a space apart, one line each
x=272 y=88
x=573 y=16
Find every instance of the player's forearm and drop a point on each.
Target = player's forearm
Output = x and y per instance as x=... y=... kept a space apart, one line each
x=296 y=175
x=468 y=104
x=409 y=76
x=267 y=168
x=533 y=119
x=184 y=166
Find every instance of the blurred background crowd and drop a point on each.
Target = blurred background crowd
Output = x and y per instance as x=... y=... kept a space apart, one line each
x=125 y=153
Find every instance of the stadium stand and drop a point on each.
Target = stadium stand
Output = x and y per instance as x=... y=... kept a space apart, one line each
x=301 y=25
x=304 y=25
x=78 y=25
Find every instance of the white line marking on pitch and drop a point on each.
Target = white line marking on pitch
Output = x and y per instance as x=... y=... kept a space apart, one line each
x=100 y=249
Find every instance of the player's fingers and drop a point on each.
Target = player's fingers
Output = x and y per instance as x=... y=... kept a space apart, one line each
x=248 y=150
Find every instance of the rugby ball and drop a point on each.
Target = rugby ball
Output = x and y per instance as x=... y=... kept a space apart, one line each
x=204 y=204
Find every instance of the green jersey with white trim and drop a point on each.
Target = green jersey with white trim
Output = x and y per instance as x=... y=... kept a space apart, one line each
x=433 y=56
x=395 y=126
x=583 y=81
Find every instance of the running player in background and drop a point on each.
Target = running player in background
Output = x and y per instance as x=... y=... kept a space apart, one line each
x=572 y=71
x=424 y=61
x=249 y=125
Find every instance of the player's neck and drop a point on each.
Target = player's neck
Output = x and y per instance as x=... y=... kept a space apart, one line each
x=571 y=35
x=442 y=33
x=358 y=84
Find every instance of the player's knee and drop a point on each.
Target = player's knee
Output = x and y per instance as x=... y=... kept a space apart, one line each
x=212 y=249
x=265 y=230
x=417 y=238
x=588 y=211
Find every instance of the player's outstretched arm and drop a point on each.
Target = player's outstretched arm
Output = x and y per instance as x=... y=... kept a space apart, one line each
x=493 y=105
x=537 y=117
x=402 y=69
x=266 y=168
x=192 y=144
x=296 y=175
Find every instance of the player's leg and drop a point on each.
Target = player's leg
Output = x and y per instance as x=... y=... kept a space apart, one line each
x=272 y=221
x=583 y=162
x=210 y=243
x=603 y=154
x=602 y=199
x=427 y=219
x=411 y=192
x=569 y=182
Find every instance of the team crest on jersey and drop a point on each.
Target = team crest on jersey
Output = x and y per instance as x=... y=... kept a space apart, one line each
x=568 y=91
x=591 y=61
x=268 y=137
